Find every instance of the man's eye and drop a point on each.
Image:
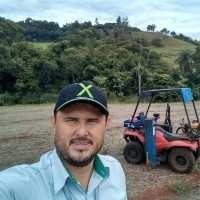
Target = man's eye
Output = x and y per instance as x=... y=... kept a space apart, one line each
x=93 y=121
x=70 y=120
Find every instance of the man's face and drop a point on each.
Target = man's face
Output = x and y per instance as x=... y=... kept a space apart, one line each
x=79 y=133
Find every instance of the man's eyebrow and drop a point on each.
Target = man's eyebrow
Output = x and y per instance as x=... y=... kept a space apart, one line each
x=68 y=117
x=93 y=118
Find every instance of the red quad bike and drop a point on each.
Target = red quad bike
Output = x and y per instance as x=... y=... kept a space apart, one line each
x=179 y=148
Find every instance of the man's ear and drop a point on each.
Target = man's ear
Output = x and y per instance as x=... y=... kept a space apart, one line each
x=53 y=124
x=108 y=121
x=53 y=121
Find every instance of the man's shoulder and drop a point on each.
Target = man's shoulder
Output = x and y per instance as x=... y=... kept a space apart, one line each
x=25 y=172
x=108 y=158
x=109 y=161
x=116 y=180
x=27 y=180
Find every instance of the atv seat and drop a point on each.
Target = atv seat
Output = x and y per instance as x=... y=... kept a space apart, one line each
x=166 y=127
x=171 y=136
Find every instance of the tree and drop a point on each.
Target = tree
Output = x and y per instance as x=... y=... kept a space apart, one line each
x=24 y=57
x=119 y=20
x=47 y=73
x=164 y=31
x=116 y=83
x=196 y=56
x=37 y=30
x=72 y=62
x=7 y=71
x=151 y=28
x=125 y=21
x=139 y=63
x=96 y=21
x=10 y=31
x=148 y=28
x=90 y=71
x=185 y=61
x=173 y=34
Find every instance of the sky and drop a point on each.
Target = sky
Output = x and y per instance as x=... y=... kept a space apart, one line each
x=181 y=16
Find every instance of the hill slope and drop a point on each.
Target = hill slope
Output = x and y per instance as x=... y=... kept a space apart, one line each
x=169 y=52
x=171 y=46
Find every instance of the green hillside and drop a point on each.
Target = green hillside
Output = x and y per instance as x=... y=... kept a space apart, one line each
x=171 y=46
x=169 y=52
x=41 y=34
x=40 y=58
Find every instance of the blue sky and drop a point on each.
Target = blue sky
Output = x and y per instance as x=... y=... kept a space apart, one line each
x=181 y=16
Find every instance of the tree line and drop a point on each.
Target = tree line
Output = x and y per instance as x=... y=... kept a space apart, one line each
x=106 y=54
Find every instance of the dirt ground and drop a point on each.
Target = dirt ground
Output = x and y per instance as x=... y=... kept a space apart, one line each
x=26 y=133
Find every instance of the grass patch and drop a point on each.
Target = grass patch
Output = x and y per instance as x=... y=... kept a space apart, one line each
x=41 y=45
x=181 y=187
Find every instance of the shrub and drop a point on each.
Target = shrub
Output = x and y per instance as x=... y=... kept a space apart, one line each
x=48 y=98
x=30 y=98
x=8 y=99
x=157 y=42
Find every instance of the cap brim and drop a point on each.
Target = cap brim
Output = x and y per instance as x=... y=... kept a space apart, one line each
x=97 y=104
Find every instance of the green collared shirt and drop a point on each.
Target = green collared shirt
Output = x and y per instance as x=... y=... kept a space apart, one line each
x=48 y=179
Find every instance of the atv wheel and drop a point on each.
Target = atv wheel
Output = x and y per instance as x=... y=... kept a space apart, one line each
x=181 y=160
x=134 y=153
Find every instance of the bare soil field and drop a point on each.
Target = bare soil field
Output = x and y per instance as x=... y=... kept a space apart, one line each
x=26 y=133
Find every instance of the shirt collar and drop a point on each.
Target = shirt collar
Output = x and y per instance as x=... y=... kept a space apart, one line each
x=61 y=173
x=100 y=168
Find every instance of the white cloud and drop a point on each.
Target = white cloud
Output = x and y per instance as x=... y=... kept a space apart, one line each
x=179 y=16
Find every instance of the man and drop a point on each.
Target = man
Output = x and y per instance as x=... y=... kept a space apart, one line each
x=73 y=170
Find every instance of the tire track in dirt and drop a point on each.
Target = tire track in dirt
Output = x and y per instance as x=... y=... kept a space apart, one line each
x=5 y=123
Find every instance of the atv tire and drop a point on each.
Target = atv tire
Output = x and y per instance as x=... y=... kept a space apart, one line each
x=134 y=153
x=181 y=160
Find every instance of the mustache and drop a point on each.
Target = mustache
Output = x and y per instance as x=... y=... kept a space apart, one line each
x=81 y=140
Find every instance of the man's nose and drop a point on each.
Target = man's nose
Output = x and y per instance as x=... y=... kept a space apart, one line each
x=82 y=129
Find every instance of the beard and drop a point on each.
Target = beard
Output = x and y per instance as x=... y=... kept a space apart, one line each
x=67 y=157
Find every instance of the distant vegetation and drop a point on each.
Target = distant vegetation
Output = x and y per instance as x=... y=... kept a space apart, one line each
x=37 y=58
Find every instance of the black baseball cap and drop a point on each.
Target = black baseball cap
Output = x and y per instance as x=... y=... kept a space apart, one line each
x=84 y=92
